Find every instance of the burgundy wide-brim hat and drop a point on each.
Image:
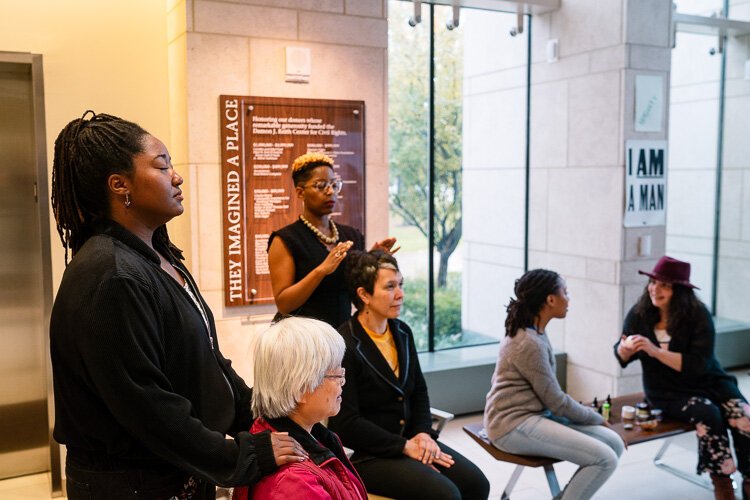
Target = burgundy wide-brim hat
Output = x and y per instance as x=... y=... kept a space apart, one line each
x=671 y=270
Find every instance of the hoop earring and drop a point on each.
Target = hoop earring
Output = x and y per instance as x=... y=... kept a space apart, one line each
x=127 y=200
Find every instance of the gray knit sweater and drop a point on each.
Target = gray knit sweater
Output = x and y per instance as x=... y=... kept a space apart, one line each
x=524 y=384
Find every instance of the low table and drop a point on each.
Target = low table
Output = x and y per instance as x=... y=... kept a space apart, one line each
x=665 y=429
x=636 y=435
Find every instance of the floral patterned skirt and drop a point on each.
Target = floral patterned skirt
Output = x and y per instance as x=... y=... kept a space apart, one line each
x=712 y=420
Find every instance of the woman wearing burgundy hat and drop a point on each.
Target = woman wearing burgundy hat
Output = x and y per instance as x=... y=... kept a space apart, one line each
x=670 y=330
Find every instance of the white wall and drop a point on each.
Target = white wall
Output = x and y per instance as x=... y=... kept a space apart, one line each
x=582 y=114
x=494 y=167
x=734 y=245
x=694 y=135
x=106 y=56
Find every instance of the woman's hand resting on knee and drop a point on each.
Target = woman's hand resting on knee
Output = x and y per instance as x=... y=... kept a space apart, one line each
x=426 y=450
x=624 y=441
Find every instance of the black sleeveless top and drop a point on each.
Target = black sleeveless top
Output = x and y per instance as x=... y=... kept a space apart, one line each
x=329 y=302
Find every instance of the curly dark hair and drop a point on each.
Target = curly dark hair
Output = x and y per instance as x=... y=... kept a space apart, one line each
x=531 y=291
x=685 y=310
x=362 y=271
x=87 y=152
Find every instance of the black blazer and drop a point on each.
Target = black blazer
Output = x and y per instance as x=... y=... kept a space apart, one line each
x=380 y=412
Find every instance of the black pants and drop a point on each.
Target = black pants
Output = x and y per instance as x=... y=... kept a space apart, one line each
x=96 y=482
x=406 y=478
x=712 y=420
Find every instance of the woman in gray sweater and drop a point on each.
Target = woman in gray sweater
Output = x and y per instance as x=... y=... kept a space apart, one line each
x=527 y=413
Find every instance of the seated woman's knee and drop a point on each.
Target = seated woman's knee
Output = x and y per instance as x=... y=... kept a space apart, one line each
x=440 y=490
x=608 y=459
x=708 y=415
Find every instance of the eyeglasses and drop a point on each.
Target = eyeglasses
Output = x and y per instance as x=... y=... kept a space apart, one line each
x=341 y=379
x=322 y=186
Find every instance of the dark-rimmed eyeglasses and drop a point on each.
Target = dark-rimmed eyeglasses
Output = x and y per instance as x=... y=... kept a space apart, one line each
x=323 y=185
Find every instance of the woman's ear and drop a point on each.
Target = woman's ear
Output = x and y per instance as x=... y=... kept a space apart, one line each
x=363 y=295
x=118 y=184
x=300 y=192
x=302 y=398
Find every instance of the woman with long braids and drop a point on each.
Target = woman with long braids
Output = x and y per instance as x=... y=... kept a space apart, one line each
x=143 y=396
x=305 y=257
x=527 y=412
x=671 y=332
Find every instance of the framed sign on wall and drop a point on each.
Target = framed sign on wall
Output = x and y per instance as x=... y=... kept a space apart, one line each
x=645 y=183
x=260 y=138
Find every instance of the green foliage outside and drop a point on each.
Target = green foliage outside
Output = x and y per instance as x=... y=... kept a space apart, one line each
x=408 y=122
x=448 y=331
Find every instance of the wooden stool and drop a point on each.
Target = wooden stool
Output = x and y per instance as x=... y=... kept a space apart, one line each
x=477 y=433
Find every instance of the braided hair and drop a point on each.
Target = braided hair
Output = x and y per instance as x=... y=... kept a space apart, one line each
x=87 y=153
x=531 y=291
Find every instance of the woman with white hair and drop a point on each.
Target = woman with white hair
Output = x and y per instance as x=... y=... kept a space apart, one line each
x=298 y=384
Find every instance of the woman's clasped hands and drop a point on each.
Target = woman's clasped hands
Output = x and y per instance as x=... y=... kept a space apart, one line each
x=632 y=344
x=424 y=449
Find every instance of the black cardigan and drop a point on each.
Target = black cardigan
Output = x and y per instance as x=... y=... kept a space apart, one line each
x=701 y=373
x=138 y=379
x=380 y=412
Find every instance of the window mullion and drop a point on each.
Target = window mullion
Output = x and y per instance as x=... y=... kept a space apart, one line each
x=431 y=204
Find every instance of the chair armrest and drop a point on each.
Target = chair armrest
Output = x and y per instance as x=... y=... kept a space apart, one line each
x=440 y=418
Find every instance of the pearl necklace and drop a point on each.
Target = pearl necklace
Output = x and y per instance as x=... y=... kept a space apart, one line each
x=328 y=240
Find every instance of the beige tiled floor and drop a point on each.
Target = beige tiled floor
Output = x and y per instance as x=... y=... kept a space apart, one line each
x=636 y=477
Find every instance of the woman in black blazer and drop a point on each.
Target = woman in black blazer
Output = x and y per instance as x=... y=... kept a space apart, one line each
x=385 y=412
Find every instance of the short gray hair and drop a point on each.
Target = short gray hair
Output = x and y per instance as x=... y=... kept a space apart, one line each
x=291 y=358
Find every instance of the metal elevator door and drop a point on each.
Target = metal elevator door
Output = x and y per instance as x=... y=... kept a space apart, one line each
x=24 y=288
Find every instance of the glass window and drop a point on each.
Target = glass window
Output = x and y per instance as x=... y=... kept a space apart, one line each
x=733 y=259
x=709 y=175
x=457 y=139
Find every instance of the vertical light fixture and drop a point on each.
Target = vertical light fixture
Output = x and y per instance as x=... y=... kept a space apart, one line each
x=417 y=17
x=452 y=23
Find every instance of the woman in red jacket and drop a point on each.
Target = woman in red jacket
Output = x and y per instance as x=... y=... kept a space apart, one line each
x=298 y=381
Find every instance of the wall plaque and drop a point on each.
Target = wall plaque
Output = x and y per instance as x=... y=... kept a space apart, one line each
x=645 y=183
x=260 y=138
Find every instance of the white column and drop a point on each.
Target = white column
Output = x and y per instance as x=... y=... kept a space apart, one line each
x=582 y=113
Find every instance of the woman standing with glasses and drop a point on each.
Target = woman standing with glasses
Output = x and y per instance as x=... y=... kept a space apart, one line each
x=304 y=257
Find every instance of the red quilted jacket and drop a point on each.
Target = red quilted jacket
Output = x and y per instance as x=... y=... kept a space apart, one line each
x=323 y=476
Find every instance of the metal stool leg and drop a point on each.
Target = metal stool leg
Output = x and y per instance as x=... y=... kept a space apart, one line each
x=512 y=482
x=554 y=486
x=693 y=478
